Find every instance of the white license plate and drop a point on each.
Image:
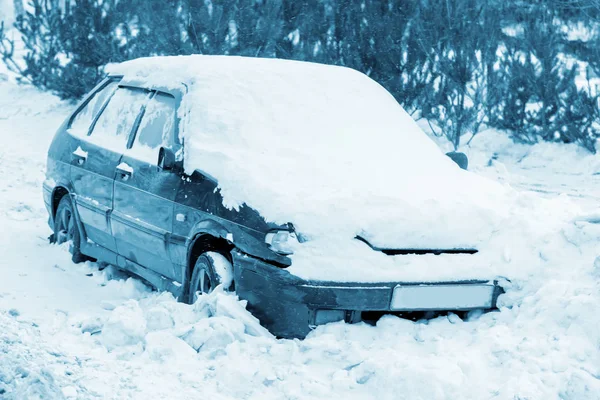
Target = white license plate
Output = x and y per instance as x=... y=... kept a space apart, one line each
x=442 y=297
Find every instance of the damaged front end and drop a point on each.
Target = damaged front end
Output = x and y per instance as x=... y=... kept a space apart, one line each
x=290 y=306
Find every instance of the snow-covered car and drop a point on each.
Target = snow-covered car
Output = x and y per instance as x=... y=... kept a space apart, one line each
x=304 y=188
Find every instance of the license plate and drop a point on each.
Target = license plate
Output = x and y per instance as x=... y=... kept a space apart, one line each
x=442 y=297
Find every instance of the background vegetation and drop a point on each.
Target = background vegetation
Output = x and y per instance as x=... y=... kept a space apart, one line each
x=520 y=65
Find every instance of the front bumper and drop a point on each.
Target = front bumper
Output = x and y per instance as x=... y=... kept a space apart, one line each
x=290 y=306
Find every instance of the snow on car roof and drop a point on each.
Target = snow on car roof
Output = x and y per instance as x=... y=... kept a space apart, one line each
x=324 y=147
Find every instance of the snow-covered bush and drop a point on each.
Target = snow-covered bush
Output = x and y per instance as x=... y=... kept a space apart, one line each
x=66 y=47
x=536 y=96
x=455 y=36
x=511 y=91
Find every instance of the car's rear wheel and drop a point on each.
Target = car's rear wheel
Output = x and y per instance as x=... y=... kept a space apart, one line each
x=210 y=270
x=66 y=229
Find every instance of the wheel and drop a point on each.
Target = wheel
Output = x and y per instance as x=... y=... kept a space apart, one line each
x=66 y=230
x=211 y=270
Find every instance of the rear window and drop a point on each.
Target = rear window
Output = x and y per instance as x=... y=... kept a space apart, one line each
x=82 y=121
x=114 y=125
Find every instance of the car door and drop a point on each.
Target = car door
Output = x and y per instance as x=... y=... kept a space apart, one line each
x=96 y=157
x=142 y=219
x=91 y=172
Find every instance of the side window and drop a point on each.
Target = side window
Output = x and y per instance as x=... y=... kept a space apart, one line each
x=157 y=128
x=80 y=125
x=114 y=125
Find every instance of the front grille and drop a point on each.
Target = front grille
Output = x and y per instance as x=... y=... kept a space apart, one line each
x=437 y=252
x=396 y=252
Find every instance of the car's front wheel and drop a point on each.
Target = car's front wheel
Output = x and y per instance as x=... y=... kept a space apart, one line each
x=66 y=229
x=210 y=270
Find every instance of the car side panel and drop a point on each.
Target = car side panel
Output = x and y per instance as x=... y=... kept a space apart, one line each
x=142 y=219
x=60 y=152
x=93 y=185
x=90 y=177
x=199 y=210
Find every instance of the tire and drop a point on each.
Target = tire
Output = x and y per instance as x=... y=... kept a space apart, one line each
x=66 y=229
x=210 y=270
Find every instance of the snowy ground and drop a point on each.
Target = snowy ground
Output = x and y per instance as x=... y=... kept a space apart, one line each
x=72 y=331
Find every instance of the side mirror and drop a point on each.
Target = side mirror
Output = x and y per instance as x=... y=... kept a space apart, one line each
x=459 y=158
x=168 y=161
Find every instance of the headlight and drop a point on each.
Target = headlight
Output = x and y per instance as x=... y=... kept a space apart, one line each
x=282 y=242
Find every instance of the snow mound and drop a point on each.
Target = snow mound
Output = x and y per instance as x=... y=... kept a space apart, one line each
x=543 y=342
x=126 y=326
x=546 y=168
x=161 y=328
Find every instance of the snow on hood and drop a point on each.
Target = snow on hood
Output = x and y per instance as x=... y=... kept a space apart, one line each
x=326 y=148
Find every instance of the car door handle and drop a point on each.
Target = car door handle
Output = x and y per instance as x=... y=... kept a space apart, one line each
x=124 y=171
x=80 y=155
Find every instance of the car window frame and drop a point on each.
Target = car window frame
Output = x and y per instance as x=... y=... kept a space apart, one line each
x=174 y=142
x=137 y=118
x=100 y=87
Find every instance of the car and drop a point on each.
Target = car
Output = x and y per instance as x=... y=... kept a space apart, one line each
x=179 y=170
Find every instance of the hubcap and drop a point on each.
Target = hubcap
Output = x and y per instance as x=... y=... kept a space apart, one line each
x=204 y=285
x=66 y=227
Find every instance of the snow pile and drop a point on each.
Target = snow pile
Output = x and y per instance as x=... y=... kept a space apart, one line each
x=493 y=146
x=547 y=168
x=557 y=158
x=544 y=341
x=23 y=374
x=543 y=346
x=160 y=326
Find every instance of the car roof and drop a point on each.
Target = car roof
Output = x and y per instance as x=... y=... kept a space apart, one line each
x=171 y=71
